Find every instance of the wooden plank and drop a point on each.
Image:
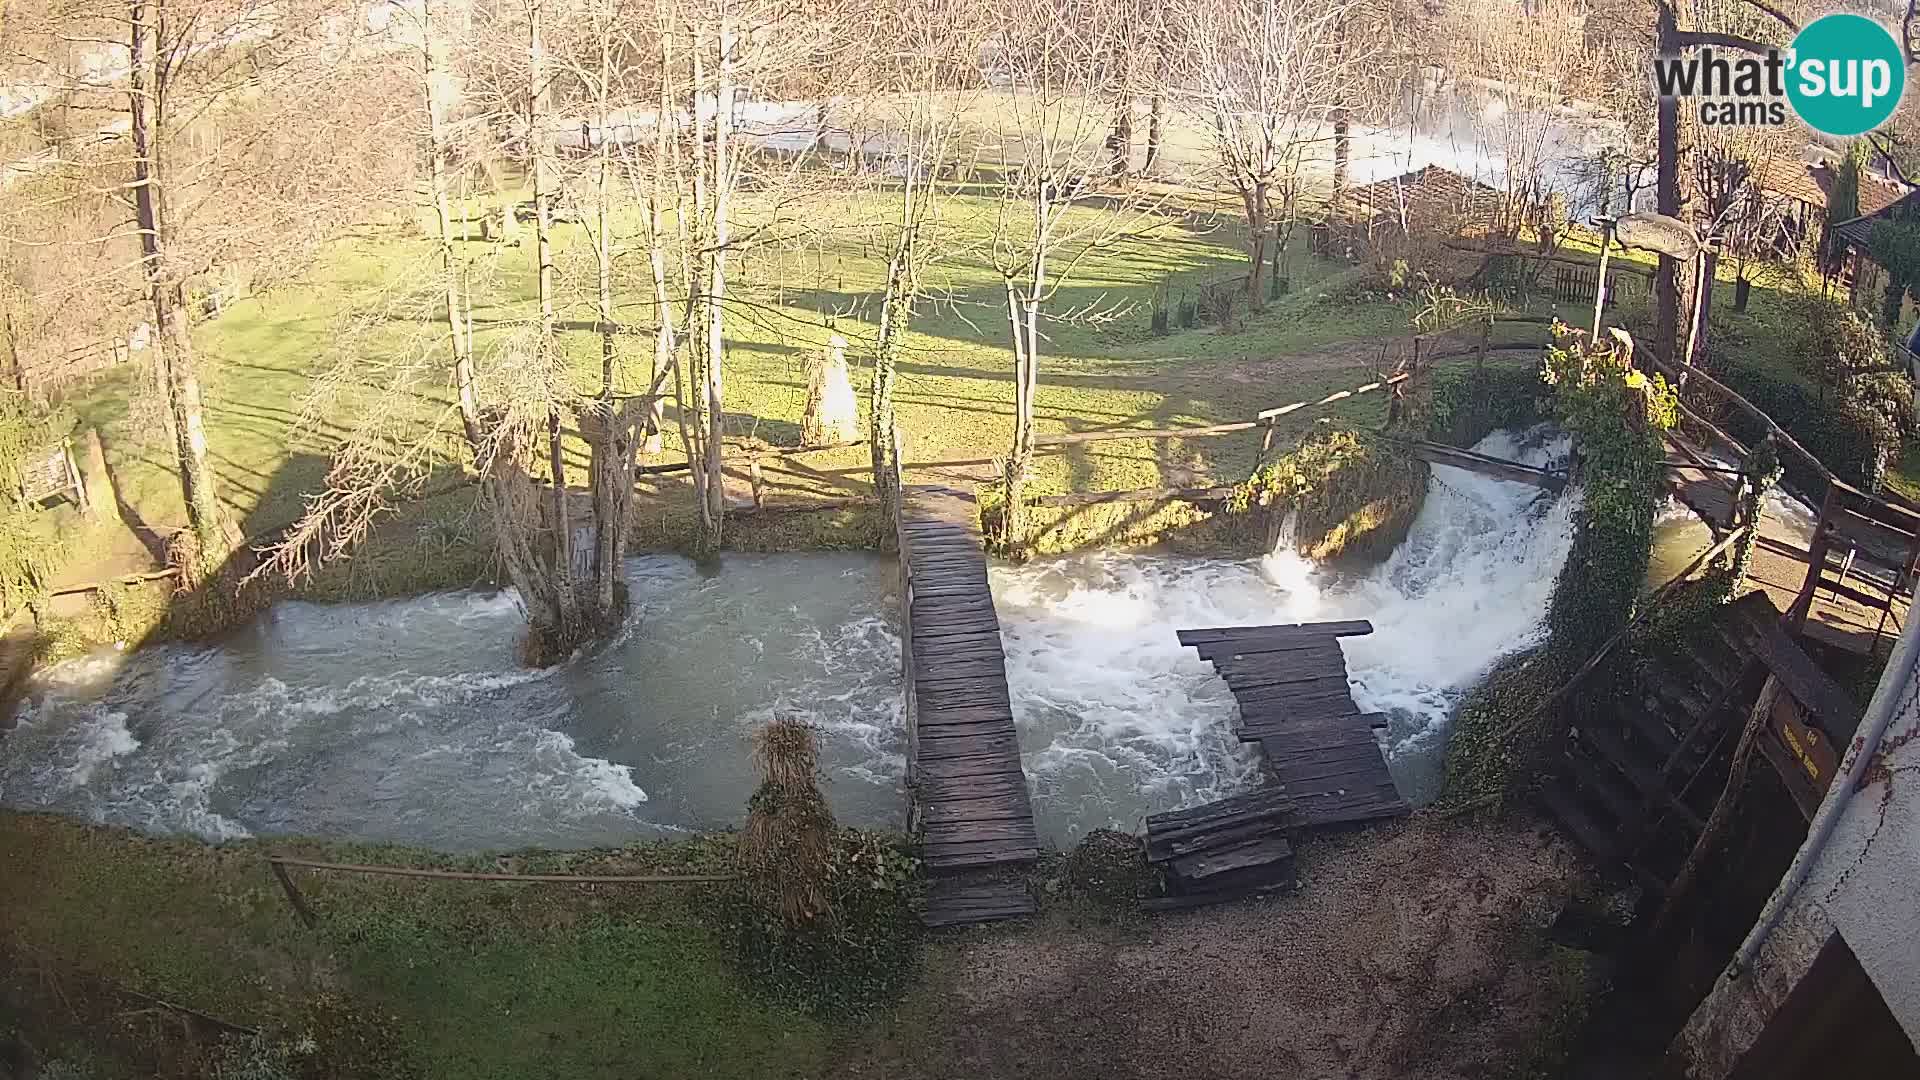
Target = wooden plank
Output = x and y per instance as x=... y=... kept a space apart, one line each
x=937 y=666
x=1302 y=687
x=1270 y=721
x=1322 y=654
x=1827 y=704
x=1293 y=758
x=993 y=809
x=1307 y=778
x=979 y=831
x=1252 y=802
x=1007 y=782
x=1351 y=809
x=1275 y=632
x=1178 y=843
x=950 y=855
x=935 y=746
x=1259 y=852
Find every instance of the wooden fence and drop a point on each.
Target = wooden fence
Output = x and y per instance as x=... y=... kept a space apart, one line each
x=42 y=377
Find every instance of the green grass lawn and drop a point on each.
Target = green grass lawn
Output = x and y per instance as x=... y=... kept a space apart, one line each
x=368 y=302
x=403 y=977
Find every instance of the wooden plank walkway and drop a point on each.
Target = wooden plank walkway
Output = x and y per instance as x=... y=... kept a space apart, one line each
x=1851 y=609
x=1291 y=684
x=970 y=804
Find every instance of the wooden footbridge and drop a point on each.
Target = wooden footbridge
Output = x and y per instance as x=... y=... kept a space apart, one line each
x=1845 y=581
x=1322 y=754
x=968 y=795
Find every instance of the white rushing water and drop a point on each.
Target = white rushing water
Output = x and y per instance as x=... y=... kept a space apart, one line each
x=1117 y=720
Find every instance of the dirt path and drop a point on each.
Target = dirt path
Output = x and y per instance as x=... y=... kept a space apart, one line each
x=1414 y=950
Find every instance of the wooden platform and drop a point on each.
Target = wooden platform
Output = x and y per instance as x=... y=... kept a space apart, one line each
x=1291 y=684
x=1227 y=849
x=1858 y=602
x=970 y=805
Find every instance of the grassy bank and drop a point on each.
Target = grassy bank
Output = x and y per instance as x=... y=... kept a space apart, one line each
x=133 y=957
x=402 y=978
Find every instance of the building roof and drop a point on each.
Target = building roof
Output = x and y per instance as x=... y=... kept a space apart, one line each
x=1854 y=232
x=1423 y=193
x=1812 y=183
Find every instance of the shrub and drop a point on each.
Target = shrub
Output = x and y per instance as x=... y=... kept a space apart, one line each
x=1616 y=416
x=785 y=847
x=852 y=960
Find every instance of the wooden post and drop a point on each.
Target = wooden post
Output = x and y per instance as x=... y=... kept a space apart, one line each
x=1702 y=289
x=756 y=481
x=299 y=902
x=1722 y=808
x=1600 y=293
x=1795 y=619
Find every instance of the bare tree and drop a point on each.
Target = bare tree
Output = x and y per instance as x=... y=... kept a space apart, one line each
x=204 y=167
x=1271 y=79
x=1057 y=78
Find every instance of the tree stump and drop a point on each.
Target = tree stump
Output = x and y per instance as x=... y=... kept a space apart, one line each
x=831 y=416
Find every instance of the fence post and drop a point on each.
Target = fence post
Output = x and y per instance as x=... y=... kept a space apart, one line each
x=299 y=902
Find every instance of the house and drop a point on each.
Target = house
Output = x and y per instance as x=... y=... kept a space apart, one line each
x=1827 y=980
x=1866 y=280
x=1799 y=191
x=1427 y=197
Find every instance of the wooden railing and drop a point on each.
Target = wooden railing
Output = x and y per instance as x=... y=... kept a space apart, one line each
x=1845 y=511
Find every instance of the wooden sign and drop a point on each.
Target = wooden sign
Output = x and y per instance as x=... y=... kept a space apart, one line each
x=1802 y=754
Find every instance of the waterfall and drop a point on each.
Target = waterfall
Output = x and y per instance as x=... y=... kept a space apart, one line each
x=1118 y=720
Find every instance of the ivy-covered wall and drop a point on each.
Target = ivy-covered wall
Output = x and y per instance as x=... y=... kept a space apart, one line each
x=1466 y=403
x=1616 y=416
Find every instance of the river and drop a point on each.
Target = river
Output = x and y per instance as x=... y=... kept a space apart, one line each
x=409 y=721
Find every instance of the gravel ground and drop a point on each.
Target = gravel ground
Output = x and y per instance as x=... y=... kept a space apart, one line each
x=1410 y=950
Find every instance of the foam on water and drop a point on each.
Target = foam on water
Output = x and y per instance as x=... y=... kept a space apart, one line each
x=1117 y=720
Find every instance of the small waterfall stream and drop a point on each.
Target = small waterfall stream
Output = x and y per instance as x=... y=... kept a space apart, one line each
x=1118 y=720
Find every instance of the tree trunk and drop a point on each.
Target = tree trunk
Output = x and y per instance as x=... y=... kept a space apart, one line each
x=172 y=343
x=896 y=312
x=539 y=114
x=1666 y=283
x=717 y=285
x=1254 y=198
x=1156 y=109
x=1342 y=151
x=1121 y=141
x=434 y=49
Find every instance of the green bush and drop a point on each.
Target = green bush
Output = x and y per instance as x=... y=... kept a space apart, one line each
x=1466 y=404
x=1853 y=436
x=1617 y=417
x=852 y=961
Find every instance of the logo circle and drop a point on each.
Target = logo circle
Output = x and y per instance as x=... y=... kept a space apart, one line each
x=1845 y=74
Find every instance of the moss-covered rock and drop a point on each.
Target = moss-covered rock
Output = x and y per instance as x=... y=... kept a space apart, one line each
x=1352 y=496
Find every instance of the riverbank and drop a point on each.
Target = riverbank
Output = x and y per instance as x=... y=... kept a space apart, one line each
x=1422 y=948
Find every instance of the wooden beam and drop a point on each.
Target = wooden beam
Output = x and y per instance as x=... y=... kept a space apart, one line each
x=1206 y=494
x=1264 y=417
x=1499 y=468
x=1723 y=807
